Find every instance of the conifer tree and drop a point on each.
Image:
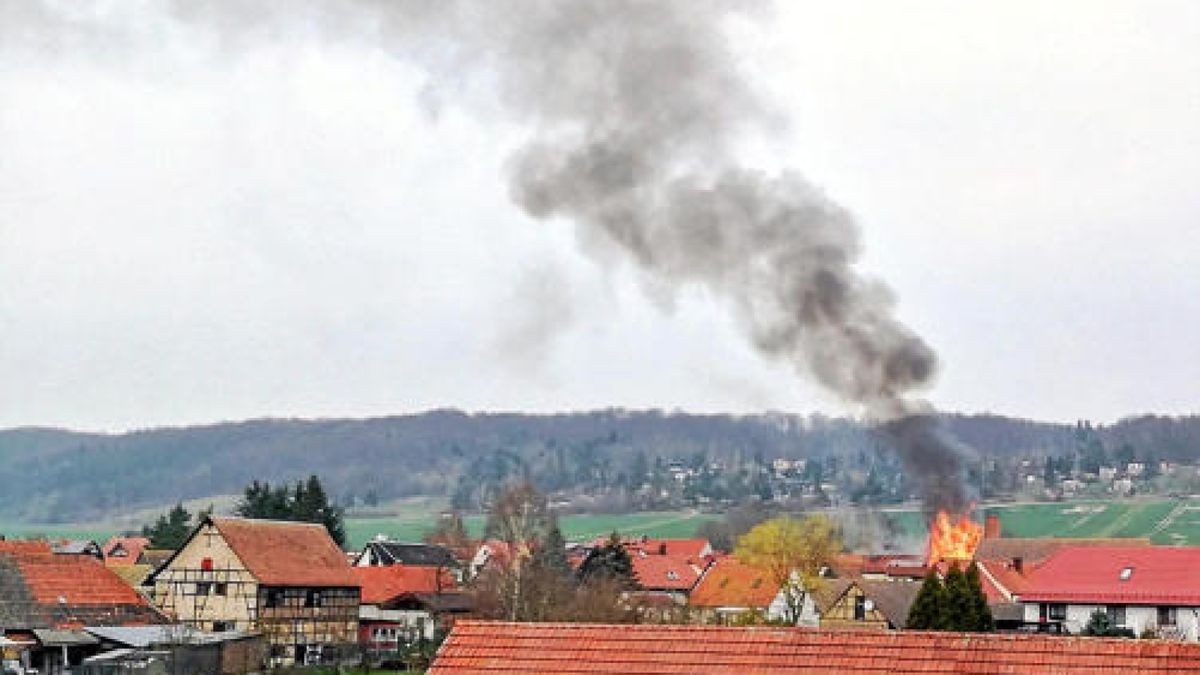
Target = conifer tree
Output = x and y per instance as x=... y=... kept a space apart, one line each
x=928 y=609
x=983 y=614
x=171 y=529
x=551 y=556
x=609 y=562
x=960 y=606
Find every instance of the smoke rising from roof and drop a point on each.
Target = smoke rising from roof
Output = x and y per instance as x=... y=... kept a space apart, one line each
x=634 y=110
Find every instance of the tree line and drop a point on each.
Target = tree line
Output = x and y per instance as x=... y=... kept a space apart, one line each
x=303 y=501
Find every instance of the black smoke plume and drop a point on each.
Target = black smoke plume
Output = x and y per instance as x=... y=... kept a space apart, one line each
x=633 y=111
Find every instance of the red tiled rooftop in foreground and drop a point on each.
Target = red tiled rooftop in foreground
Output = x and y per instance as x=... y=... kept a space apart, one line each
x=496 y=647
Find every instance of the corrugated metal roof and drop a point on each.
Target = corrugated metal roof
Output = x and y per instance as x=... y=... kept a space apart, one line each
x=51 y=637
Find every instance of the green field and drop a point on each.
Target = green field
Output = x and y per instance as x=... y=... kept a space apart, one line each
x=1163 y=521
x=410 y=526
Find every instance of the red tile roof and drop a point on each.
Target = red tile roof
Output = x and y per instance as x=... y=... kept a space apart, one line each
x=287 y=554
x=729 y=583
x=43 y=590
x=131 y=546
x=74 y=580
x=1035 y=550
x=1159 y=575
x=493 y=647
x=380 y=584
x=7 y=546
x=1001 y=581
x=666 y=572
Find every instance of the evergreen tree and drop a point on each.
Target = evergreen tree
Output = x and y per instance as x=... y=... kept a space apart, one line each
x=609 y=562
x=315 y=507
x=960 y=607
x=306 y=503
x=170 y=530
x=928 y=610
x=982 y=614
x=551 y=556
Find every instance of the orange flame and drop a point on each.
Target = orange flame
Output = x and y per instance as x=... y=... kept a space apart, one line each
x=949 y=541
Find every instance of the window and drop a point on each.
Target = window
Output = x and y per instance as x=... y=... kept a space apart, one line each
x=206 y=564
x=1166 y=616
x=312 y=598
x=222 y=626
x=1116 y=615
x=860 y=608
x=1126 y=573
x=672 y=575
x=1052 y=612
x=274 y=597
x=220 y=588
x=203 y=588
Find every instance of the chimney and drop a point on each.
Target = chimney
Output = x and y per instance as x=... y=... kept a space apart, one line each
x=991 y=526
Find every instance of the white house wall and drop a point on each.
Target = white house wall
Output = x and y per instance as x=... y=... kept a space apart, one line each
x=1137 y=618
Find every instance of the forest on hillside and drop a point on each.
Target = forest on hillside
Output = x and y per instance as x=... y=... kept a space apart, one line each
x=53 y=475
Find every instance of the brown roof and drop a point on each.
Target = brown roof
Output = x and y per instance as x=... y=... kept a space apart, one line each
x=133 y=575
x=281 y=553
x=828 y=591
x=155 y=556
x=893 y=599
x=729 y=583
x=495 y=647
x=1036 y=550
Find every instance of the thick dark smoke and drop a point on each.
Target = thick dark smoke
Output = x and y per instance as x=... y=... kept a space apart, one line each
x=634 y=110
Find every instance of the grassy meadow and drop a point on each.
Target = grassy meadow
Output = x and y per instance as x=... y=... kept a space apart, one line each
x=1165 y=521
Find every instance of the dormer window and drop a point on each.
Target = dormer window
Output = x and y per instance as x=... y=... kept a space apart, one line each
x=1126 y=573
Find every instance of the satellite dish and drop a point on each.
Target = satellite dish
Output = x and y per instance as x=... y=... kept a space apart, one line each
x=869 y=604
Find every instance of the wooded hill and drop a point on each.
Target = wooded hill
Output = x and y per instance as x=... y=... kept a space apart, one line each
x=53 y=475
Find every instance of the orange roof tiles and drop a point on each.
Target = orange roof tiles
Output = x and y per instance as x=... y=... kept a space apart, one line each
x=380 y=584
x=19 y=546
x=287 y=554
x=42 y=590
x=495 y=647
x=729 y=583
x=74 y=580
x=666 y=572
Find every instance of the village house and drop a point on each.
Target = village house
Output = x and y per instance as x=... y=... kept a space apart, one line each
x=500 y=647
x=1152 y=589
x=402 y=606
x=732 y=592
x=287 y=580
x=124 y=550
x=85 y=547
x=867 y=603
x=47 y=599
x=382 y=551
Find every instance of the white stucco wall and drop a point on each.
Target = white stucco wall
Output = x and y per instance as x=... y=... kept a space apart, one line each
x=1137 y=618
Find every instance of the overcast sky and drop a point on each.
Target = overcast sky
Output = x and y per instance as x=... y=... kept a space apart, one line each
x=193 y=231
